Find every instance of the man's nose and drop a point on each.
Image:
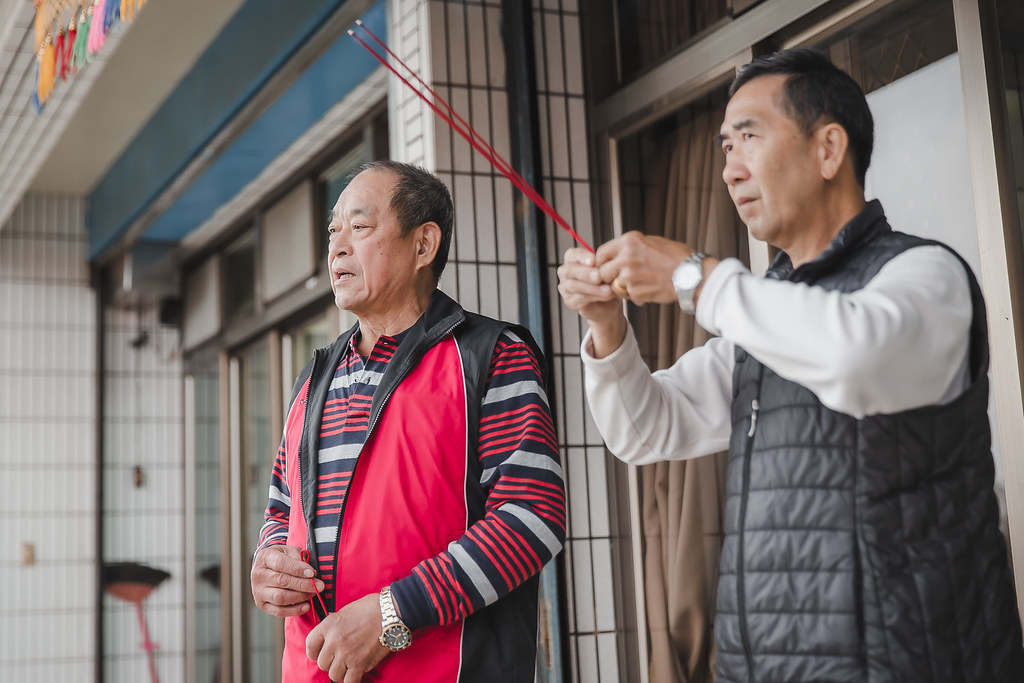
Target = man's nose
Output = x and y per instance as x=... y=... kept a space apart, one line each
x=735 y=170
x=337 y=244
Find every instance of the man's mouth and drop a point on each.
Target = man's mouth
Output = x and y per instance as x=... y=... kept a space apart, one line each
x=343 y=276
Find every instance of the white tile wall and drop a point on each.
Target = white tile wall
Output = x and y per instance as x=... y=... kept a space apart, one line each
x=47 y=417
x=143 y=428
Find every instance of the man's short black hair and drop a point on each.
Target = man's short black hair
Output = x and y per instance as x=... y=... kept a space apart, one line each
x=817 y=92
x=419 y=197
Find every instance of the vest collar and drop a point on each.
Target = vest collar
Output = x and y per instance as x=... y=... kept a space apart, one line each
x=865 y=225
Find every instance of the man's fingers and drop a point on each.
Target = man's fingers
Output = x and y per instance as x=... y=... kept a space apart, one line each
x=614 y=274
x=578 y=255
x=315 y=643
x=353 y=676
x=289 y=581
x=273 y=585
x=580 y=295
x=579 y=272
x=621 y=245
x=336 y=669
x=293 y=610
x=286 y=559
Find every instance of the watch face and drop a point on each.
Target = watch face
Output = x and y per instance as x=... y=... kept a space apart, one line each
x=688 y=276
x=396 y=637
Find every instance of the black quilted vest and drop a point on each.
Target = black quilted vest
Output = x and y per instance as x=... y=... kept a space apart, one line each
x=863 y=550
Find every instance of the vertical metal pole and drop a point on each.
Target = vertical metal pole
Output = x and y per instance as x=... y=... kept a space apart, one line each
x=236 y=506
x=531 y=257
x=189 y=536
x=99 y=286
x=228 y=625
x=521 y=84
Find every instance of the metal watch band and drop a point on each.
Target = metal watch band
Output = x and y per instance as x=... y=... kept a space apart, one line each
x=394 y=635
x=686 y=295
x=387 y=606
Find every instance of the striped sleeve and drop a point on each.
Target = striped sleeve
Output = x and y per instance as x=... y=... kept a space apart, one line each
x=524 y=522
x=275 y=526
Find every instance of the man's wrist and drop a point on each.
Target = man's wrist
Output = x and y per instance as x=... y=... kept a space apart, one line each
x=412 y=602
x=605 y=338
x=395 y=634
x=708 y=264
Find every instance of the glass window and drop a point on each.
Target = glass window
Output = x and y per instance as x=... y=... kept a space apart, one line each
x=906 y=37
x=334 y=181
x=639 y=34
x=1010 y=15
x=240 y=277
x=312 y=335
x=262 y=656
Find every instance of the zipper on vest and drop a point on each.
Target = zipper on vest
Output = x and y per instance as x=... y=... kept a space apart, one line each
x=741 y=593
x=302 y=442
x=314 y=559
x=369 y=433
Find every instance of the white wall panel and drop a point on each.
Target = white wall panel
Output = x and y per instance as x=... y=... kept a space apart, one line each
x=47 y=411
x=143 y=521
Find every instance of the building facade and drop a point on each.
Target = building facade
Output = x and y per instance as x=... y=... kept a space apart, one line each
x=163 y=278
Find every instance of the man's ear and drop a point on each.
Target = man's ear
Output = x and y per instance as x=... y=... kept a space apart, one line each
x=428 y=240
x=833 y=149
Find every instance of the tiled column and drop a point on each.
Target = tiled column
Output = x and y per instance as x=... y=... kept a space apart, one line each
x=594 y=625
x=47 y=423
x=456 y=46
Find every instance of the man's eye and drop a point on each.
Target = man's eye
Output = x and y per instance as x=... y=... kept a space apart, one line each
x=726 y=148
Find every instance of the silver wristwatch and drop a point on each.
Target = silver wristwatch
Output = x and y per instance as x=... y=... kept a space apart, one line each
x=686 y=278
x=394 y=635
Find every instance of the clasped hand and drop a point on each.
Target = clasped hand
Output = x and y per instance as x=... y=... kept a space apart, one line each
x=282 y=582
x=634 y=266
x=345 y=644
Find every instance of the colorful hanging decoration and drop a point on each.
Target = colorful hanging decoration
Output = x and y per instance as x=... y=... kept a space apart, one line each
x=69 y=33
x=80 y=50
x=97 y=35
x=69 y=45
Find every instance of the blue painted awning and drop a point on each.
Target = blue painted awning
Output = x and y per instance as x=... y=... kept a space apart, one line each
x=255 y=43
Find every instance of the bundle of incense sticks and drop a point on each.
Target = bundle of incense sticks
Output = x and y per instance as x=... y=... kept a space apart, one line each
x=459 y=125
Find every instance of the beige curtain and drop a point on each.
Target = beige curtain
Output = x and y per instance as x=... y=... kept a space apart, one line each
x=683 y=501
x=664 y=25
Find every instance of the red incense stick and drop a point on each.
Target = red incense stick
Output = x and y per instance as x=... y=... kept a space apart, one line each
x=468 y=133
x=454 y=114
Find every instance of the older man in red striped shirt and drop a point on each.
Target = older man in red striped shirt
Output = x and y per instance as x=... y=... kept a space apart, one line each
x=417 y=491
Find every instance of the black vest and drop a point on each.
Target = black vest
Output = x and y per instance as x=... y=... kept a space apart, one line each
x=863 y=550
x=500 y=641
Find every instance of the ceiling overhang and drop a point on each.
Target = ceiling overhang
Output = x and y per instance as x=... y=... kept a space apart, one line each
x=272 y=72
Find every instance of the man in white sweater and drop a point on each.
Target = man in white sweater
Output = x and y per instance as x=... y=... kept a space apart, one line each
x=850 y=388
